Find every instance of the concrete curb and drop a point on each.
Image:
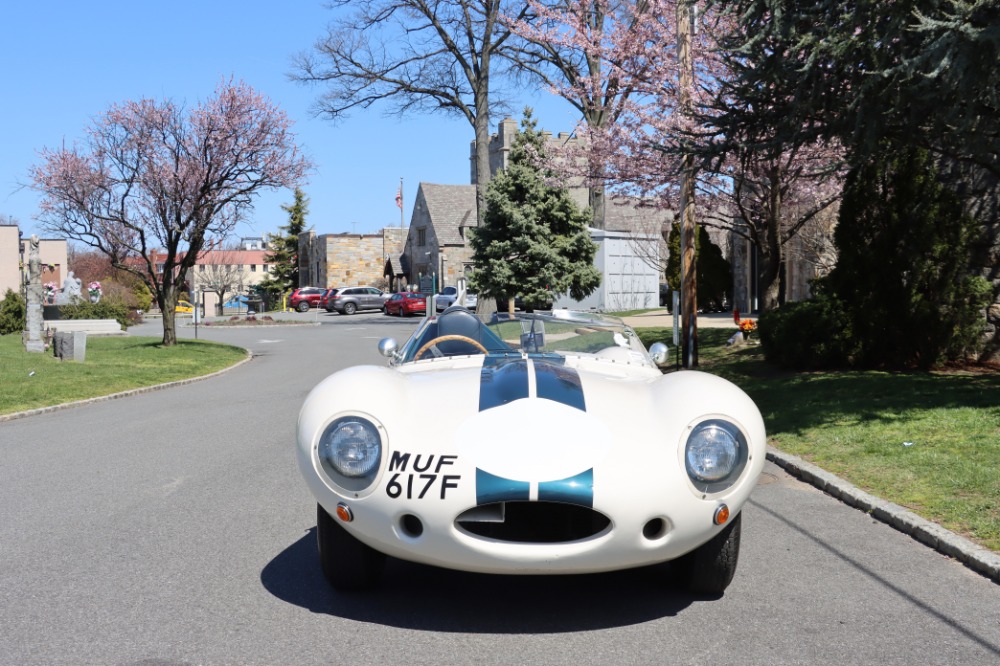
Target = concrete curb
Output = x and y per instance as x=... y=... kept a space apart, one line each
x=122 y=394
x=974 y=556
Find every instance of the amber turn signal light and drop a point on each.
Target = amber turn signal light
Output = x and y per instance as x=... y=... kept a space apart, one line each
x=344 y=513
x=721 y=515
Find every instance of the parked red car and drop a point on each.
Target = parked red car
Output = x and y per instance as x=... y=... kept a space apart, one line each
x=304 y=298
x=406 y=303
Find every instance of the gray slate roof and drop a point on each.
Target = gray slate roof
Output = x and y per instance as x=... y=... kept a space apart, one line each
x=450 y=207
x=454 y=206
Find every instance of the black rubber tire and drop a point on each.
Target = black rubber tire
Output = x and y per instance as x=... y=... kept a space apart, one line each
x=303 y=306
x=709 y=569
x=350 y=308
x=347 y=563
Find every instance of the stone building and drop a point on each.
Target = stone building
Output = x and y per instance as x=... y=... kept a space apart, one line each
x=335 y=260
x=436 y=244
x=807 y=255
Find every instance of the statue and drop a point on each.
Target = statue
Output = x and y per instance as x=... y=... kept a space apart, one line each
x=71 y=290
x=34 y=341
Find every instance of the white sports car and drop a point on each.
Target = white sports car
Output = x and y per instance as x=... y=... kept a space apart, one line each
x=567 y=451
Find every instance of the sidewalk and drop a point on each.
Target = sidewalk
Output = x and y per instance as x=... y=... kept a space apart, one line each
x=662 y=318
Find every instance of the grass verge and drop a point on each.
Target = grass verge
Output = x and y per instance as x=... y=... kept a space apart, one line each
x=113 y=364
x=927 y=441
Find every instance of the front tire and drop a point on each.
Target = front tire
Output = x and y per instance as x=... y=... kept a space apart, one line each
x=303 y=306
x=347 y=563
x=709 y=569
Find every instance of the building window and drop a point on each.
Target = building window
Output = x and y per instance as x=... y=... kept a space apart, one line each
x=421 y=237
x=266 y=267
x=201 y=268
x=159 y=268
x=253 y=268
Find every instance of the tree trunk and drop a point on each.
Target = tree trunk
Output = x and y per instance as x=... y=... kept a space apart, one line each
x=689 y=285
x=168 y=308
x=770 y=255
x=481 y=126
x=597 y=206
x=169 y=325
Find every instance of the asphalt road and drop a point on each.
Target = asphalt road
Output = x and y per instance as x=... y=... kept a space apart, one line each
x=172 y=527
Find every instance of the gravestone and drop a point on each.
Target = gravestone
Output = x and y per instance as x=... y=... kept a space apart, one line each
x=70 y=346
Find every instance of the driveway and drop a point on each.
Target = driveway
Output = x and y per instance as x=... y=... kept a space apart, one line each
x=172 y=527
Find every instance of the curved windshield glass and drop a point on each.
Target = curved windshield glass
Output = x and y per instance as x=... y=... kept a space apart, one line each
x=458 y=331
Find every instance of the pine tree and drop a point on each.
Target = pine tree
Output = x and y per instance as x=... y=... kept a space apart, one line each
x=715 y=275
x=283 y=257
x=903 y=272
x=534 y=239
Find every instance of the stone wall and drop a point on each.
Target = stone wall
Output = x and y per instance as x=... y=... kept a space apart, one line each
x=345 y=259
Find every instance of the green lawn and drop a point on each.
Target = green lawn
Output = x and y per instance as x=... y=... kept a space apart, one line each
x=113 y=364
x=929 y=442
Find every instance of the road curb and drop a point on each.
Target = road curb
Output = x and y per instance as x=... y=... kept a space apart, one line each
x=979 y=559
x=122 y=394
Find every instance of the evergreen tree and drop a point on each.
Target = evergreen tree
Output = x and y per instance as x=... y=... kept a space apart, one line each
x=715 y=276
x=534 y=239
x=921 y=72
x=284 y=250
x=903 y=273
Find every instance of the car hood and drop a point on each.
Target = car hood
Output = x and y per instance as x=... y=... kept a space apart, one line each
x=528 y=419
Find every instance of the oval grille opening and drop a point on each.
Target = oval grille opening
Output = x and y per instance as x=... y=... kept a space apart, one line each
x=533 y=522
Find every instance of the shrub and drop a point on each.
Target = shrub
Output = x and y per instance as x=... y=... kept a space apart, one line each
x=13 y=312
x=103 y=310
x=807 y=335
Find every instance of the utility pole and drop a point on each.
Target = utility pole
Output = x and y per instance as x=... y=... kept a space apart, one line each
x=689 y=285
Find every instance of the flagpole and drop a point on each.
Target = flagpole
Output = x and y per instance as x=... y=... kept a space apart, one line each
x=402 y=239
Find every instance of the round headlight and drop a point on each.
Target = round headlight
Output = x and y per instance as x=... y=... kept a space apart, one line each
x=351 y=446
x=715 y=454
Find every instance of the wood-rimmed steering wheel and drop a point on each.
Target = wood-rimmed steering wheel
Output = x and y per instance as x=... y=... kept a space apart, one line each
x=446 y=338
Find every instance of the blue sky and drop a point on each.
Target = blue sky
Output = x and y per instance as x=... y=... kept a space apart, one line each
x=64 y=63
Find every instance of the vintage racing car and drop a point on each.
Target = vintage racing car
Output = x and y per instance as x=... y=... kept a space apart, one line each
x=566 y=450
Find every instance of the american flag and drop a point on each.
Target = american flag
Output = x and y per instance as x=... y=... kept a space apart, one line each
x=399 y=197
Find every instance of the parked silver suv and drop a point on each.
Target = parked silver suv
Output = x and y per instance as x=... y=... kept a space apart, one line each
x=348 y=300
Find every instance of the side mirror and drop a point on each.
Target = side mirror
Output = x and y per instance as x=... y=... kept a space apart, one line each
x=660 y=353
x=388 y=348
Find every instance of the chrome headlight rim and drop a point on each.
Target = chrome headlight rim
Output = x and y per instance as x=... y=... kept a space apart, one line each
x=718 y=439
x=357 y=480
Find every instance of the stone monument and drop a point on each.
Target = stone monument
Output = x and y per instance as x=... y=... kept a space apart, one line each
x=35 y=342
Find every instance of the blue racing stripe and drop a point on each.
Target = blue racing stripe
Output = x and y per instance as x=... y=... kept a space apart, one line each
x=502 y=380
x=577 y=489
x=559 y=383
x=490 y=488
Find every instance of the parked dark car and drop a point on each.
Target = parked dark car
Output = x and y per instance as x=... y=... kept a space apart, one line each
x=406 y=303
x=348 y=300
x=304 y=298
x=666 y=295
x=324 y=300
